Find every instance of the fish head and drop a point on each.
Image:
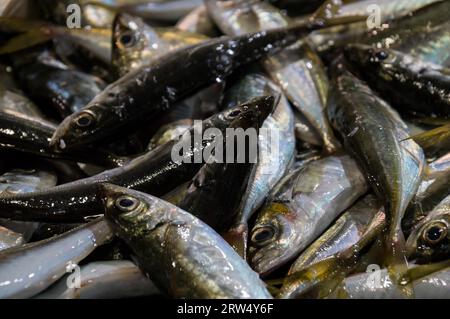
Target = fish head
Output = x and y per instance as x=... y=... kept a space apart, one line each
x=134 y=43
x=430 y=239
x=122 y=206
x=251 y=114
x=368 y=58
x=271 y=238
x=97 y=119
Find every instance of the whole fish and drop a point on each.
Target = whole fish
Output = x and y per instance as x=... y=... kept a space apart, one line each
x=431 y=283
x=51 y=83
x=297 y=69
x=430 y=239
x=198 y=21
x=301 y=207
x=156 y=172
x=377 y=137
x=103 y=280
x=410 y=85
x=184 y=257
x=31 y=268
x=210 y=186
x=32 y=135
x=145 y=93
x=276 y=151
x=135 y=43
x=344 y=233
x=321 y=278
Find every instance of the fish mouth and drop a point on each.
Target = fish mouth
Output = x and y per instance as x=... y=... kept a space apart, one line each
x=263 y=265
x=58 y=142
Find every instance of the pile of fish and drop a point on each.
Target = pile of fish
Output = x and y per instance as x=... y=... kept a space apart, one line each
x=352 y=201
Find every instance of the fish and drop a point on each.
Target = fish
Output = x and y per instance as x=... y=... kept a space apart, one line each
x=12 y=98
x=164 y=11
x=304 y=132
x=375 y=135
x=51 y=83
x=229 y=171
x=198 y=21
x=429 y=239
x=29 y=269
x=432 y=191
x=321 y=278
x=135 y=43
x=301 y=207
x=31 y=135
x=431 y=282
x=18 y=181
x=128 y=101
x=297 y=69
x=183 y=256
x=170 y=132
x=344 y=233
x=103 y=280
x=388 y=10
x=434 y=142
x=9 y=238
x=276 y=151
x=411 y=86
x=156 y=172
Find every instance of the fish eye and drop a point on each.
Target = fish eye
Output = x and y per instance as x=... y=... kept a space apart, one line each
x=262 y=235
x=127 y=39
x=126 y=203
x=381 y=55
x=85 y=119
x=234 y=113
x=435 y=233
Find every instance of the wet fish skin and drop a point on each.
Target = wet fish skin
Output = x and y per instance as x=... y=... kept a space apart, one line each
x=321 y=278
x=198 y=21
x=432 y=191
x=429 y=241
x=183 y=256
x=17 y=181
x=31 y=135
x=273 y=160
x=296 y=69
x=154 y=172
x=377 y=138
x=410 y=85
x=212 y=184
x=170 y=132
x=9 y=238
x=301 y=207
x=49 y=82
x=129 y=101
x=135 y=43
x=344 y=233
x=41 y=263
x=363 y=286
x=12 y=98
x=104 y=280
x=435 y=142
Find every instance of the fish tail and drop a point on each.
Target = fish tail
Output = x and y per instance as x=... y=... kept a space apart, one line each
x=28 y=37
x=396 y=261
x=236 y=236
